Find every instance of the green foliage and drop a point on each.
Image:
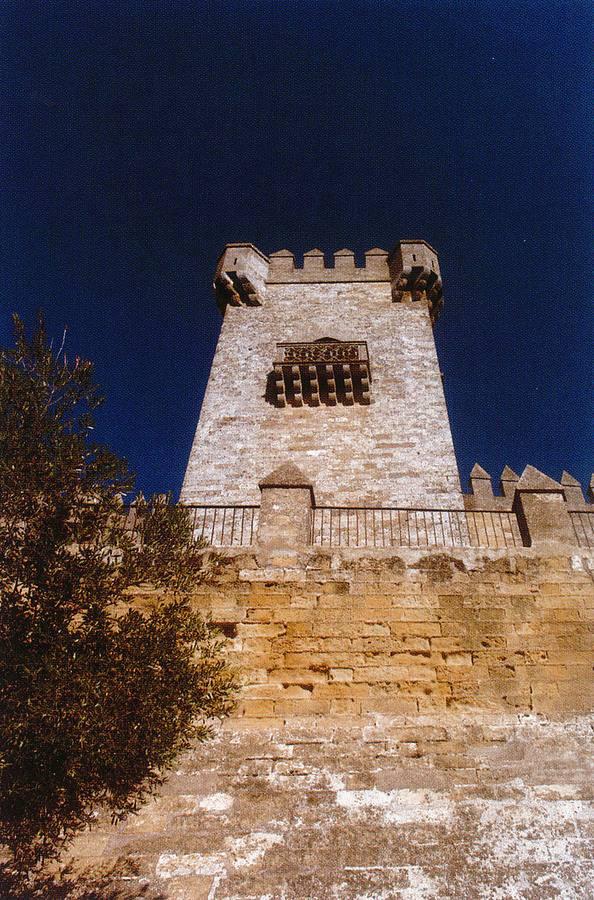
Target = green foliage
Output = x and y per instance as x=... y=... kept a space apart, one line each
x=97 y=698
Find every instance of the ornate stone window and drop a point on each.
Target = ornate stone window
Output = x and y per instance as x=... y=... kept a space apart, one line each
x=326 y=372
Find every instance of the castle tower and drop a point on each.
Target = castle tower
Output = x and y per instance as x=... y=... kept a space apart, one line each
x=332 y=369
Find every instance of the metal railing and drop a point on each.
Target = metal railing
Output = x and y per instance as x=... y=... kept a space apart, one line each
x=225 y=526
x=380 y=527
x=334 y=526
x=583 y=526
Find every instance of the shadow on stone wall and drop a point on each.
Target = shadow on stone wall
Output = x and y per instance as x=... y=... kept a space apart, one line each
x=95 y=882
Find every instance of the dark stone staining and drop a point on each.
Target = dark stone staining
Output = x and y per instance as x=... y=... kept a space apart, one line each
x=229 y=629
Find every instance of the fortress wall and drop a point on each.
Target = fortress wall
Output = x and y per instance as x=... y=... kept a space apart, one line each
x=395 y=452
x=411 y=726
x=412 y=723
x=414 y=634
x=435 y=807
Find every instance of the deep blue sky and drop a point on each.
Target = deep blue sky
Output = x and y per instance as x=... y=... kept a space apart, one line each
x=139 y=137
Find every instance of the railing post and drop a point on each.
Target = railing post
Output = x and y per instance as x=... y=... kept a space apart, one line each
x=539 y=503
x=285 y=509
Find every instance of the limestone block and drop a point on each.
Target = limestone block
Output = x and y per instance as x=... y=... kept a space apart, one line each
x=302 y=707
x=256 y=708
x=345 y=707
x=340 y=674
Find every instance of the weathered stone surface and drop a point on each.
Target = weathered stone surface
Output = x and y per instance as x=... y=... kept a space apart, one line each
x=284 y=516
x=433 y=807
x=573 y=491
x=508 y=481
x=394 y=736
x=343 y=634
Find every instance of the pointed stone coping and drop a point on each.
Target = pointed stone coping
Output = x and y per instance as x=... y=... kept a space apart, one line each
x=573 y=489
x=479 y=472
x=376 y=251
x=314 y=252
x=287 y=476
x=507 y=482
x=568 y=480
x=282 y=253
x=344 y=252
x=536 y=481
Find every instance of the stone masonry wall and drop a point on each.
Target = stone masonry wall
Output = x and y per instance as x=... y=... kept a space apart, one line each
x=397 y=451
x=430 y=808
x=412 y=634
x=411 y=726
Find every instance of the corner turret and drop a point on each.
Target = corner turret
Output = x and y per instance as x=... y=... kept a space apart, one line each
x=240 y=276
x=415 y=275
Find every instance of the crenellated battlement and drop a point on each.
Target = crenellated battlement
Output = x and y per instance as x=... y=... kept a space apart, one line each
x=412 y=269
x=284 y=269
x=557 y=510
x=482 y=496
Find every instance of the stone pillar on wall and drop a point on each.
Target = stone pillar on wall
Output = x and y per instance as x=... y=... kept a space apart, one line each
x=541 y=508
x=285 y=509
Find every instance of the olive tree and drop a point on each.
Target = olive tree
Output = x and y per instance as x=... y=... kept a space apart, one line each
x=97 y=696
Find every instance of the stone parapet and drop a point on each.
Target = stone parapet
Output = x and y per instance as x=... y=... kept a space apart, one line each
x=539 y=514
x=283 y=268
x=481 y=495
x=285 y=510
x=548 y=511
x=540 y=505
x=412 y=269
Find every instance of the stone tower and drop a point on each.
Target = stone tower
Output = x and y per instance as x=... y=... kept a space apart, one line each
x=332 y=369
